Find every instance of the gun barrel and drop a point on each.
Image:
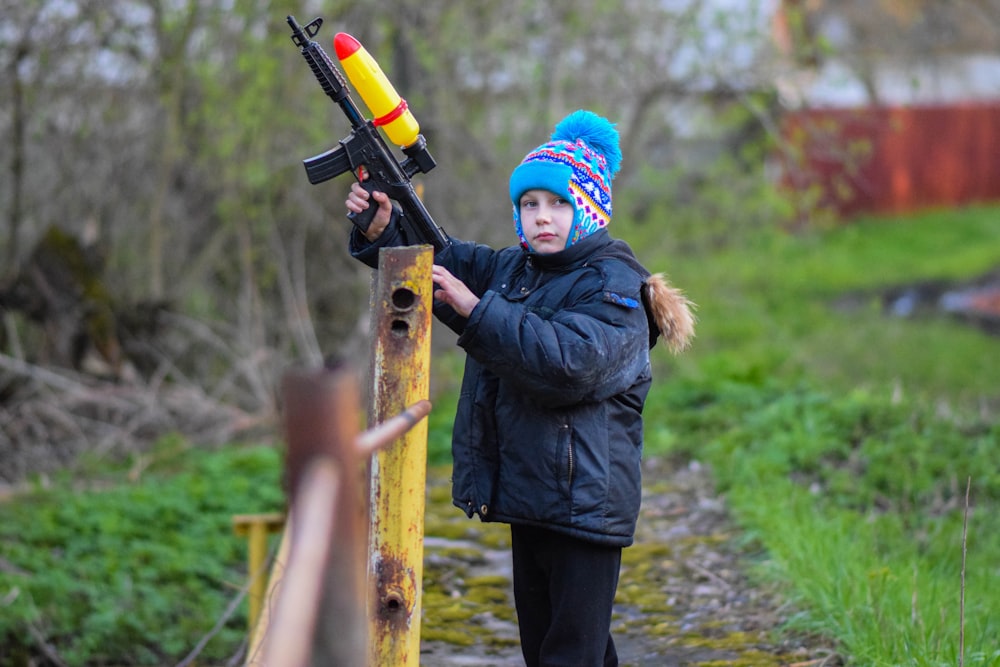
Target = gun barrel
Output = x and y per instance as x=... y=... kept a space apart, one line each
x=329 y=77
x=298 y=36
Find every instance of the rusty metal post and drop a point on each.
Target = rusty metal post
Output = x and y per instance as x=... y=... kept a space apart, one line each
x=322 y=416
x=298 y=635
x=400 y=374
x=316 y=598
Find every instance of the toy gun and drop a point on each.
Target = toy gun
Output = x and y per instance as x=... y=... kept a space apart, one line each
x=364 y=153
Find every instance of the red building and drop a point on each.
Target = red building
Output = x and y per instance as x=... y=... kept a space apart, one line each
x=893 y=116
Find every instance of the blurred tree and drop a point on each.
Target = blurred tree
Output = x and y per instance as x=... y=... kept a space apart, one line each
x=61 y=289
x=868 y=36
x=176 y=128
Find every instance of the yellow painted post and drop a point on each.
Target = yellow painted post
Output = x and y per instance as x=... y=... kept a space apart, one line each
x=259 y=630
x=401 y=304
x=257 y=527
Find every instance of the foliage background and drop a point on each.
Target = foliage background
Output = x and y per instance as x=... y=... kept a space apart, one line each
x=168 y=135
x=171 y=134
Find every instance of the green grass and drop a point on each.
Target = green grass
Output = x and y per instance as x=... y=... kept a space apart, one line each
x=843 y=438
x=810 y=305
x=133 y=573
x=857 y=504
x=888 y=592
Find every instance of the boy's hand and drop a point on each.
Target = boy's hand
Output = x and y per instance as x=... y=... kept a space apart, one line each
x=453 y=291
x=357 y=201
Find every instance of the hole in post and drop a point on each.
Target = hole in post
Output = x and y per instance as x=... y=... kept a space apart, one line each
x=403 y=298
x=400 y=328
x=394 y=603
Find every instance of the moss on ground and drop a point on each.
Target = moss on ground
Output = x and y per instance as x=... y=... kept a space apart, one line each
x=667 y=602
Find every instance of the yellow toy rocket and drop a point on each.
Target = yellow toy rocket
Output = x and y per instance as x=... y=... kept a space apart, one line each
x=390 y=110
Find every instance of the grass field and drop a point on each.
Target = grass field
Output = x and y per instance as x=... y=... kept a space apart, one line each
x=845 y=439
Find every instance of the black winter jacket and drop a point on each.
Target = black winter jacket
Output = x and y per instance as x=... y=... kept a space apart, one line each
x=548 y=430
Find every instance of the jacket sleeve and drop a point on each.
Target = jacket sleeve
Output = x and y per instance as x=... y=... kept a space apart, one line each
x=366 y=251
x=589 y=351
x=473 y=264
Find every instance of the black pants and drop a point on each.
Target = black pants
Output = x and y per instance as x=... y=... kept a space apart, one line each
x=564 y=590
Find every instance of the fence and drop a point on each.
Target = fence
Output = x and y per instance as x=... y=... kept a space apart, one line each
x=895 y=159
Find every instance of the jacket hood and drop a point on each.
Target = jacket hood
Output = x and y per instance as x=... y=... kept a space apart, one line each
x=669 y=313
x=668 y=310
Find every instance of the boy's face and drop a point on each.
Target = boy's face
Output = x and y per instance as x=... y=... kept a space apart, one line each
x=546 y=220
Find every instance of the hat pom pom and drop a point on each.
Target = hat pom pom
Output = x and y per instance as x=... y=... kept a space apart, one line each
x=596 y=132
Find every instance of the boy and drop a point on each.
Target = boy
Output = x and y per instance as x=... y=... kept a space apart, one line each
x=548 y=431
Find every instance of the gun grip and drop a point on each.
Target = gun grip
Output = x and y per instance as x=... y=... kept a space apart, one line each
x=363 y=220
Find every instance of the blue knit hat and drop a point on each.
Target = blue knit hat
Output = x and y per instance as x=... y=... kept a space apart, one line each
x=578 y=163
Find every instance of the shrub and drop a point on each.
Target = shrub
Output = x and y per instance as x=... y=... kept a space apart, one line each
x=137 y=573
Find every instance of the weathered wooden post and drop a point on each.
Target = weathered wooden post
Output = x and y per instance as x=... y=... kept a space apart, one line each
x=401 y=307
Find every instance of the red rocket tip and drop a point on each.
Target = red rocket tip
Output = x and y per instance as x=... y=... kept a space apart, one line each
x=345 y=45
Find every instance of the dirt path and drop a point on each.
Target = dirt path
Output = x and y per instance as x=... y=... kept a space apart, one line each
x=684 y=597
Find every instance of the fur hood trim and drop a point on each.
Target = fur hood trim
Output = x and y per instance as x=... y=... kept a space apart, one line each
x=669 y=311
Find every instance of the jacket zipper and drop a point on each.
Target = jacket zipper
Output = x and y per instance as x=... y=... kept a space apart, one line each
x=569 y=451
